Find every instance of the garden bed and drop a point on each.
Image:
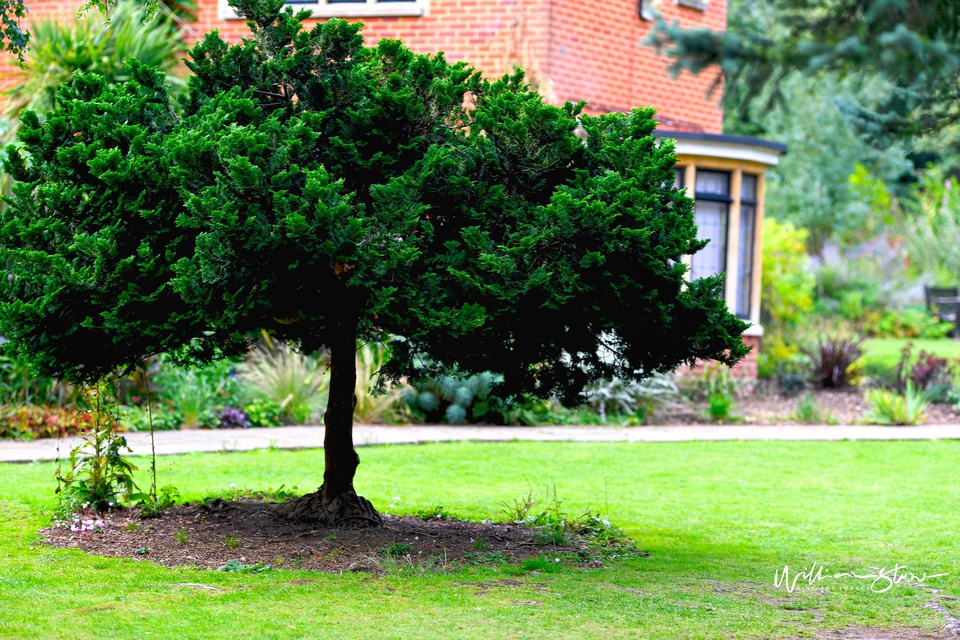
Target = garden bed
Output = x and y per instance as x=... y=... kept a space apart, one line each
x=247 y=534
x=768 y=407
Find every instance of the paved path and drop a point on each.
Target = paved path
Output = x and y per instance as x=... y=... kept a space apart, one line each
x=171 y=442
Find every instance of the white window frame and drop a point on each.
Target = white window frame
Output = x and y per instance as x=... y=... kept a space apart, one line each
x=366 y=9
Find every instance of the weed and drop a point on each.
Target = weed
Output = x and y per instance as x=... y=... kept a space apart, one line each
x=232 y=541
x=490 y=557
x=809 y=412
x=556 y=527
x=550 y=535
x=434 y=513
x=396 y=550
x=142 y=551
x=480 y=544
x=182 y=536
x=99 y=475
x=235 y=566
x=541 y=564
x=151 y=507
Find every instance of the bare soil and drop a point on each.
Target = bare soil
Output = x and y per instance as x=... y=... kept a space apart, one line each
x=249 y=532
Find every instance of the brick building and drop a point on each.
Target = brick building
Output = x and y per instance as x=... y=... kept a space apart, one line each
x=591 y=52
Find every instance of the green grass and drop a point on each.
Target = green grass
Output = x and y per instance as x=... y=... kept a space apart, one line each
x=885 y=352
x=718 y=519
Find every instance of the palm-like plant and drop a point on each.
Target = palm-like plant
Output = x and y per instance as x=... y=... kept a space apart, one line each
x=91 y=43
x=295 y=382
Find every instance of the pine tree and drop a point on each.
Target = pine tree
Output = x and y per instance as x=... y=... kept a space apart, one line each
x=331 y=193
x=912 y=44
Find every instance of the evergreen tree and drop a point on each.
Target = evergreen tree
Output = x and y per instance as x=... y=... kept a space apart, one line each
x=913 y=44
x=331 y=193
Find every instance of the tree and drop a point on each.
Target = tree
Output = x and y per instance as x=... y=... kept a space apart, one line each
x=330 y=193
x=913 y=44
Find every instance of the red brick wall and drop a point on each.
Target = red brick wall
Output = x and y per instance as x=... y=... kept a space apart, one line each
x=746 y=368
x=571 y=50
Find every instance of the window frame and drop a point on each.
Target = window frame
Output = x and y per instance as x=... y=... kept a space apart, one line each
x=347 y=9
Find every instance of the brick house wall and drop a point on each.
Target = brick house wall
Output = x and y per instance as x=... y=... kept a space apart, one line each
x=571 y=51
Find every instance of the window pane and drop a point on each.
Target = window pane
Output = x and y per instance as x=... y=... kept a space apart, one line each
x=748 y=216
x=748 y=190
x=713 y=183
x=678 y=177
x=711 y=219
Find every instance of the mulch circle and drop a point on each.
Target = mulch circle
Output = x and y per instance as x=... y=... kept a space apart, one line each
x=246 y=532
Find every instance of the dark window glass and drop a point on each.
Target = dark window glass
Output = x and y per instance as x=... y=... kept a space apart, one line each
x=711 y=215
x=748 y=225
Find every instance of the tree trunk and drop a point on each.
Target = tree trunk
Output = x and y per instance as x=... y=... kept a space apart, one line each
x=335 y=503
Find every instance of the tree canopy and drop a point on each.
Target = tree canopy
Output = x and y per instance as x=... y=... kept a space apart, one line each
x=913 y=44
x=328 y=192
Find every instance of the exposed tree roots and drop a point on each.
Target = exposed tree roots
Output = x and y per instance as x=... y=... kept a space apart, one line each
x=344 y=510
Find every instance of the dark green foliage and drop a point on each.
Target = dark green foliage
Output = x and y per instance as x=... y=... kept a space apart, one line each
x=913 y=44
x=312 y=187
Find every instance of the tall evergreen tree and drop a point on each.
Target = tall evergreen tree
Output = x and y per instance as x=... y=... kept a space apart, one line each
x=913 y=44
x=329 y=193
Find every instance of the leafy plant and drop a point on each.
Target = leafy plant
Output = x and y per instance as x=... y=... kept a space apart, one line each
x=720 y=407
x=457 y=400
x=295 y=382
x=397 y=550
x=890 y=408
x=787 y=281
x=809 y=412
x=833 y=361
x=233 y=418
x=19 y=385
x=153 y=507
x=434 y=513
x=374 y=402
x=98 y=473
x=264 y=413
x=195 y=394
x=927 y=372
x=630 y=398
x=27 y=422
x=58 y=50
x=235 y=566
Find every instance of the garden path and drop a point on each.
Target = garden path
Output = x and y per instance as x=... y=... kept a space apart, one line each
x=190 y=441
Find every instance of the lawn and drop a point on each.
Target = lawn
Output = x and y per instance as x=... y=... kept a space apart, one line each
x=718 y=520
x=885 y=352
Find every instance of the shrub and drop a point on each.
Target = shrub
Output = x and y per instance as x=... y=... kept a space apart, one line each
x=233 y=418
x=787 y=285
x=29 y=422
x=195 y=394
x=928 y=373
x=834 y=360
x=889 y=408
x=295 y=382
x=457 y=400
x=631 y=399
